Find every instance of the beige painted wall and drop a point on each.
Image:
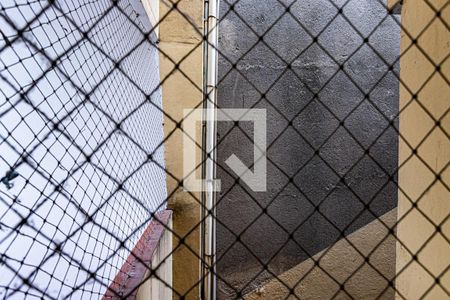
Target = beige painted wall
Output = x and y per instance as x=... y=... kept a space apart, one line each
x=416 y=176
x=392 y=3
x=180 y=35
x=180 y=43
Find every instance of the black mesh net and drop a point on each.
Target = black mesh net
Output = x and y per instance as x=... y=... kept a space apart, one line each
x=87 y=164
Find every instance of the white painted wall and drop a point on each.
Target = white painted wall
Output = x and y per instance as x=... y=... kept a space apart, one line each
x=56 y=158
x=159 y=288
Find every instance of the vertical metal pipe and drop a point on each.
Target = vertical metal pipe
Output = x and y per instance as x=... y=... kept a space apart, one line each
x=203 y=262
x=209 y=139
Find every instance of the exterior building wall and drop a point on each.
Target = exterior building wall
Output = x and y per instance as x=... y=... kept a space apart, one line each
x=159 y=288
x=417 y=181
x=76 y=141
x=178 y=39
x=288 y=95
x=152 y=9
x=338 y=262
x=180 y=42
x=180 y=34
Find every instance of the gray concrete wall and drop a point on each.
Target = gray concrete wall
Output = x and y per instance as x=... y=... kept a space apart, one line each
x=310 y=105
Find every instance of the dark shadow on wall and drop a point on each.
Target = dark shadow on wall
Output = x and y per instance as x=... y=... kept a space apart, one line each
x=330 y=156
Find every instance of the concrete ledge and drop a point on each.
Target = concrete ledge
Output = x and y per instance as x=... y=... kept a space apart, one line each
x=341 y=264
x=130 y=276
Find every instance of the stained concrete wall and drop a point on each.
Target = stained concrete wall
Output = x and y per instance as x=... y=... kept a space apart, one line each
x=180 y=34
x=180 y=42
x=299 y=124
x=418 y=181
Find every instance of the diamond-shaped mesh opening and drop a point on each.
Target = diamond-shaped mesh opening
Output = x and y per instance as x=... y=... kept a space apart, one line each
x=96 y=174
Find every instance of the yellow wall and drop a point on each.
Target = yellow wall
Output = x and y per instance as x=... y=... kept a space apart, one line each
x=180 y=35
x=178 y=39
x=417 y=182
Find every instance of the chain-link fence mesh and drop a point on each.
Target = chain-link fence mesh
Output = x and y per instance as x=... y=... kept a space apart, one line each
x=357 y=99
